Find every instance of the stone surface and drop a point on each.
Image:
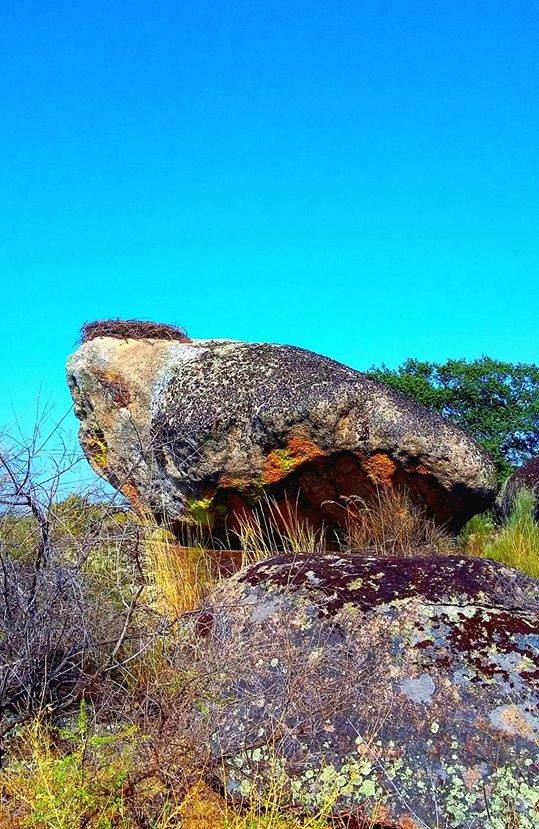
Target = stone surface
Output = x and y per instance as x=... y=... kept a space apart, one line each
x=199 y=430
x=527 y=477
x=403 y=691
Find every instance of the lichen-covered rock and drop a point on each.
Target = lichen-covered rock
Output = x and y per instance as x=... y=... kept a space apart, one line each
x=526 y=477
x=403 y=691
x=199 y=430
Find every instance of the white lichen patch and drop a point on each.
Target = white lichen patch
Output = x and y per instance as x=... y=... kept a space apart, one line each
x=516 y=721
x=418 y=689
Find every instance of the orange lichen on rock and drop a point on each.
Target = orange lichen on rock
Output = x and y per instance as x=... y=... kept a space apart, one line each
x=234 y=482
x=381 y=816
x=115 y=387
x=471 y=777
x=280 y=462
x=380 y=468
x=509 y=718
x=418 y=468
x=304 y=449
x=131 y=493
x=407 y=823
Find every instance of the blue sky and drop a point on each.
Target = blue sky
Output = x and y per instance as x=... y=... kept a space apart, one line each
x=359 y=178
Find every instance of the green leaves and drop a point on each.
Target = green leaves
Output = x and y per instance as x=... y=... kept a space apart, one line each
x=496 y=402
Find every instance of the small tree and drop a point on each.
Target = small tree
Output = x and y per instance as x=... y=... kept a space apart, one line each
x=65 y=632
x=495 y=401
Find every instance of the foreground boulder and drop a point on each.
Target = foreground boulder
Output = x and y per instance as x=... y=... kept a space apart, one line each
x=399 y=691
x=201 y=430
x=526 y=477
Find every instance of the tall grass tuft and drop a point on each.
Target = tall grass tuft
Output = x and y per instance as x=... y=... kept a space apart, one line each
x=391 y=524
x=516 y=544
x=275 y=527
x=178 y=576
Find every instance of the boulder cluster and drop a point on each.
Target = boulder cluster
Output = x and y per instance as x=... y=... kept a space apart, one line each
x=396 y=692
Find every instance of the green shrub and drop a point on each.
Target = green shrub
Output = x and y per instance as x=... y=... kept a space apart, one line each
x=496 y=402
x=80 y=784
x=516 y=544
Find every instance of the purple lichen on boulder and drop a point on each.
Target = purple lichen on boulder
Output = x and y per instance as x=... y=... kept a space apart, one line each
x=402 y=691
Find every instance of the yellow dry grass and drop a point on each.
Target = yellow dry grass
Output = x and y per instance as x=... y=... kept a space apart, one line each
x=274 y=527
x=178 y=576
x=391 y=524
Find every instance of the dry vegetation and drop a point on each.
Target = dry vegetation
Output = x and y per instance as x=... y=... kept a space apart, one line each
x=391 y=524
x=95 y=689
x=133 y=330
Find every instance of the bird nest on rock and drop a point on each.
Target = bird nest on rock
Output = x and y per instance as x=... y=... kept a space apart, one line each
x=132 y=329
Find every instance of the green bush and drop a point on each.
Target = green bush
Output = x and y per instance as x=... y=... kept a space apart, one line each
x=496 y=402
x=516 y=544
x=78 y=784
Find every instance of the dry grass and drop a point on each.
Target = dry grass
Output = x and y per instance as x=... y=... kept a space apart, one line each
x=391 y=525
x=178 y=576
x=274 y=527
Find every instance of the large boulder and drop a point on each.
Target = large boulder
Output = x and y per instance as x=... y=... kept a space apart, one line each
x=403 y=692
x=201 y=429
x=525 y=477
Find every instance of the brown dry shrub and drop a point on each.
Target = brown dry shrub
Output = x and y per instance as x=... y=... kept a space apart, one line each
x=392 y=524
x=132 y=329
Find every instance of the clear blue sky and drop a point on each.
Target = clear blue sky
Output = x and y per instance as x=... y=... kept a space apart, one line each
x=359 y=178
